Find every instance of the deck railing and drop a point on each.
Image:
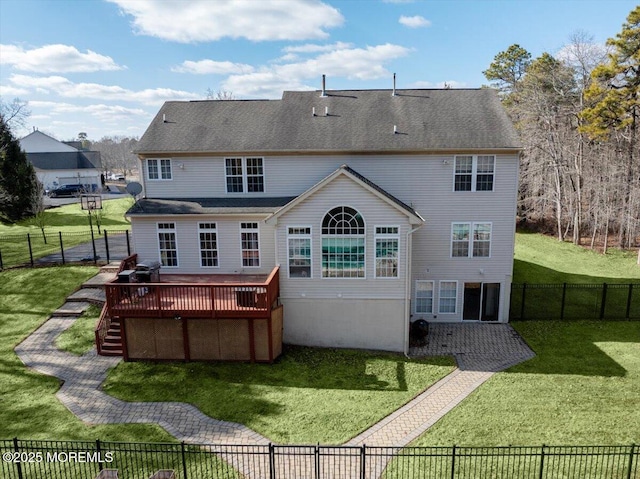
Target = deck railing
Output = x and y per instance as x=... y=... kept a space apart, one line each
x=194 y=300
x=104 y=323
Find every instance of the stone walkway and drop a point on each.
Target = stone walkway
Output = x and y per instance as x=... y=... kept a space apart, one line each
x=480 y=350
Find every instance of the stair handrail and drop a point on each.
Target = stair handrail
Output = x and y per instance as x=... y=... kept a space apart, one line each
x=102 y=328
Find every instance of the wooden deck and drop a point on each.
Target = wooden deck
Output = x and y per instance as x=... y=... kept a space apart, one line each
x=195 y=296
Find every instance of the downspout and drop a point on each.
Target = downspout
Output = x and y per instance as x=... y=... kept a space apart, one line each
x=407 y=289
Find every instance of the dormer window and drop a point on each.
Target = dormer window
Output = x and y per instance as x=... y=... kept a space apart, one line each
x=244 y=175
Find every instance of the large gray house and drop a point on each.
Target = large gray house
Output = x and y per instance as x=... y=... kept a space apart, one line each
x=380 y=207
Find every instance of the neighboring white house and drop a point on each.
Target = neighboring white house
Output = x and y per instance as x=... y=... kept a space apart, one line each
x=380 y=206
x=61 y=163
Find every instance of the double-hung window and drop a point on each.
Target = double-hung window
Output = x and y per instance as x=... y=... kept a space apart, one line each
x=424 y=297
x=244 y=175
x=471 y=240
x=299 y=251
x=474 y=172
x=343 y=244
x=159 y=169
x=448 y=297
x=208 y=236
x=250 y=245
x=387 y=239
x=167 y=244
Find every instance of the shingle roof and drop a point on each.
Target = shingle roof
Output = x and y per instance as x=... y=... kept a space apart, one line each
x=62 y=160
x=207 y=206
x=357 y=121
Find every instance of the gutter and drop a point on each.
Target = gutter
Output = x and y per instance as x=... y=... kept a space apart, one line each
x=407 y=289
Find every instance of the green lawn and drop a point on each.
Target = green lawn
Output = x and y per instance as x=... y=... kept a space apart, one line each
x=79 y=338
x=309 y=395
x=29 y=408
x=582 y=388
x=543 y=259
x=70 y=220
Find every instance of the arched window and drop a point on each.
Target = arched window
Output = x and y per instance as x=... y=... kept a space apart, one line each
x=343 y=244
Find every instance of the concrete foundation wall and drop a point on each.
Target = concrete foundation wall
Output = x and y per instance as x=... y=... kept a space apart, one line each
x=345 y=323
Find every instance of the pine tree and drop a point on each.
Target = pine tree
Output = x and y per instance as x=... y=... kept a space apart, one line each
x=615 y=97
x=18 y=182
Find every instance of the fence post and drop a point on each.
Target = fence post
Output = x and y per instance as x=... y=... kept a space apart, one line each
x=184 y=460
x=604 y=300
x=1 y=265
x=106 y=246
x=30 y=250
x=16 y=448
x=363 y=459
x=630 y=468
x=541 y=463
x=61 y=246
x=128 y=244
x=316 y=454
x=272 y=462
x=453 y=462
x=627 y=316
x=93 y=244
x=98 y=450
x=564 y=296
x=524 y=289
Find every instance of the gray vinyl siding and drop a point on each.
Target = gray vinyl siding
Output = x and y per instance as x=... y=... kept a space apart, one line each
x=342 y=192
x=423 y=181
x=145 y=240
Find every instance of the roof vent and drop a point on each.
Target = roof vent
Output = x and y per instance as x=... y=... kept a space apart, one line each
x=394 y=85
x=324 y=86
x=164 y=118
x=395 y=129
x=313 y=111
x=326 y=111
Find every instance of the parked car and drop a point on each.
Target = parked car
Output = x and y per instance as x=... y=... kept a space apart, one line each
x=69 y=190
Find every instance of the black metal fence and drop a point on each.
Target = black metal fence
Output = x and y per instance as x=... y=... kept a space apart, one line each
x=29 y=459
x=605 y=301
x=35 y=249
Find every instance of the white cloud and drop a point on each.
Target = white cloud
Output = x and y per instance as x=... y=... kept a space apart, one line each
x=204 y=20
x=211 y=67
x=314 y=48
x=68 y=89
x=100 y=111
x=55 y=59
x=12 y=91
x=416 y=21
x=352 y=63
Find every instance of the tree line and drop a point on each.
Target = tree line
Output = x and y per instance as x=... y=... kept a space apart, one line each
x=577 y=115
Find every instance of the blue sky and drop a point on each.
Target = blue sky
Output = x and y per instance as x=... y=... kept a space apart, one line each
x=105 y=67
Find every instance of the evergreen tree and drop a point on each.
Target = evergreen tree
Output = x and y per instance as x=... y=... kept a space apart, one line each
x=18 y=182
x=615 y=96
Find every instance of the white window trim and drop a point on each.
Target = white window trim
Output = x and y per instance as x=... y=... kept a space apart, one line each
x=175 y=232
x=364 y=236
x=471 y=224
x=474 y=175
x=377 y=236
x=300 y=236
x=433 y=296
x=250 y=230
x=159 y=160
x=217 y=250
x=245 y=183
x=455 y=307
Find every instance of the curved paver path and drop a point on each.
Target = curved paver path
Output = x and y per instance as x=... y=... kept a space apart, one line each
x=480 y=350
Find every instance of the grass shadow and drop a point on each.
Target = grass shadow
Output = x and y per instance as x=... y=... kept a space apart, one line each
x=571 y=347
